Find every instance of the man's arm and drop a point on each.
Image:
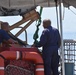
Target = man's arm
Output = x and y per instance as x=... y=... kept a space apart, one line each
x=43 y=39
x=7 y=37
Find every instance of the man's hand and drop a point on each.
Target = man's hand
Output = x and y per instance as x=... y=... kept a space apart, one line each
x=14 y=42
x=33 y=45
x=11 y=41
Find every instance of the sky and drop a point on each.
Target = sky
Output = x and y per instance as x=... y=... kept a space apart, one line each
x=68 y=22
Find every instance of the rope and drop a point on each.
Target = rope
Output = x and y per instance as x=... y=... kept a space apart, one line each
x=37 y=28
x=2 y=57
x=12 y=69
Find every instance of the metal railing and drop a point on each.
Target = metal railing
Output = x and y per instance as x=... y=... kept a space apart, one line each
x=70 y=53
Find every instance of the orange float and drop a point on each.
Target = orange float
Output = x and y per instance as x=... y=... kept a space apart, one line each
x=23 y=55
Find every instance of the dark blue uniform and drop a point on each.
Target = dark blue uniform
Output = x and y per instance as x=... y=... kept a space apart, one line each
x=3 y=35
x=49 y=40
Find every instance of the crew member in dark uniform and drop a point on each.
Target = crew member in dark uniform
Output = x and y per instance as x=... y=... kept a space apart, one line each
x=50 y=41
x=4 y=33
